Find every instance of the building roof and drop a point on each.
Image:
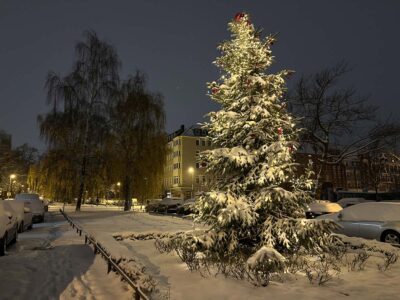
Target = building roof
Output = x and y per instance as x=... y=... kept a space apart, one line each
x=194 y=130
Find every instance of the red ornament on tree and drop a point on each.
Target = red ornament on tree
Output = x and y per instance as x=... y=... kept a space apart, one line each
x=239 y=17
x=291 y=148
x=214 y=90
x=280 y=130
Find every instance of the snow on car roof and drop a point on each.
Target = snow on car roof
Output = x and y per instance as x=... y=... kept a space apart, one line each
x=327 y=207
x=372 y=211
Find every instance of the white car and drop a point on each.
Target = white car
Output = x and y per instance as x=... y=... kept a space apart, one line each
x=35 y=204
x=8 y=227
x=24 y=214
x=370 y=220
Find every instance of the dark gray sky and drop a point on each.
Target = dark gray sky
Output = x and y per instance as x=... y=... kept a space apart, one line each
x=174 y=42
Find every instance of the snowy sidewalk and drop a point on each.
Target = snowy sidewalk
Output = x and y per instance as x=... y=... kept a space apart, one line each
x=52 y=262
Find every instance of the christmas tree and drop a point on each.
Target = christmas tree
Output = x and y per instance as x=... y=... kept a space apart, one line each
x=254 y=213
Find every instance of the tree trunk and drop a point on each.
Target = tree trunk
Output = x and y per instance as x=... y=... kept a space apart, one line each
x=127 y=193
x=84 y=163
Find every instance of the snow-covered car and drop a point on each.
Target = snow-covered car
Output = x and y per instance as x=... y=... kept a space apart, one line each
x=169 y=205
x=35 y=204
x=24 y=214
x=187 y=208
x=371 y=220
x=8 y=227
x=152 y=205
x=321 y=207
x=45 y=204
x=345 y=202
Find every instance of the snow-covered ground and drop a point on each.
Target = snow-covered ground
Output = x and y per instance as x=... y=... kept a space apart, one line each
x=52 y=262
x=174 y=281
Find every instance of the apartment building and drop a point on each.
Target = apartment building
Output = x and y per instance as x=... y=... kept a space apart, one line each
x=184 y=173
x=362 y=175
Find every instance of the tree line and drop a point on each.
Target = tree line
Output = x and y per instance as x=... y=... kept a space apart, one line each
x=100 y=130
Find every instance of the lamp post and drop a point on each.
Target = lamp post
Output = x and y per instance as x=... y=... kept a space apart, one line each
x=118 y=185
x=12 y=176
x=191 y=171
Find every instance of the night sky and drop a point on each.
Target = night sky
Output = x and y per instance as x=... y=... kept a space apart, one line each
x=174 y=42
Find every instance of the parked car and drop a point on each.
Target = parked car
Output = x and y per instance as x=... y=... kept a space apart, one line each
x=345 y=202
x=152 y=205
x=320 y=207
x=168 y=205
x=371 y=220
x=24 y=214
x=35 y=204
x=187 y=207
x=8 y=227
x=45 y=204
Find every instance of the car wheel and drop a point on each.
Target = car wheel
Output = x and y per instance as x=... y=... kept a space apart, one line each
x=391 y=237
x=14 y=240
x=3 y=245
x=21 y=227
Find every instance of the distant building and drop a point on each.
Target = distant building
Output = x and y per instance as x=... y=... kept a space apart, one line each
x=5 y=142
x=331 y=177
x=184 y=174
x=359 y=174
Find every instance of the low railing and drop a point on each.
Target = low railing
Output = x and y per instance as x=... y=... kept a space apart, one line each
x=111 y=264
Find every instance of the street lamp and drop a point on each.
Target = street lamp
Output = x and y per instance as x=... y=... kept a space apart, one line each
x=191 y=171
x=12 y=176
x=118 y=188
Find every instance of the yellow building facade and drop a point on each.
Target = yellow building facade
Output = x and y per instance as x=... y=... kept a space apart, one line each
x=184 y=173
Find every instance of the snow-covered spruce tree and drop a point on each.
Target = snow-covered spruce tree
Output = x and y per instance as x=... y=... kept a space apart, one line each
x=254 y=214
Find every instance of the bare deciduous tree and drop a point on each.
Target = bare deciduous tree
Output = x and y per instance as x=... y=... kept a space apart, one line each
x=329 y=114
x=332 y=117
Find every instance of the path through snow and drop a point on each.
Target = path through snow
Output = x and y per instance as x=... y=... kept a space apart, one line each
x=52 y=262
